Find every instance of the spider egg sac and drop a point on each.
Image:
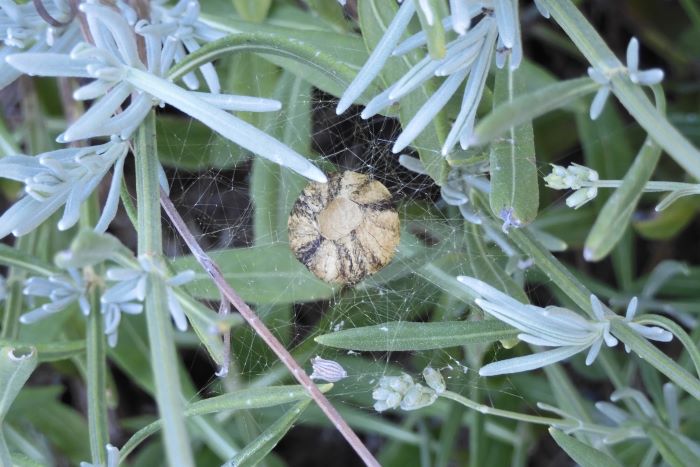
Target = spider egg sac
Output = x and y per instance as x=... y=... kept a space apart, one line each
x=345 y=229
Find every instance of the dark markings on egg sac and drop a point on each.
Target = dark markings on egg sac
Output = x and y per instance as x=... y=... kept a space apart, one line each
x=306 y=252
x=346 y=261
x=334 y=185
x=379 y=206
x=362 y=186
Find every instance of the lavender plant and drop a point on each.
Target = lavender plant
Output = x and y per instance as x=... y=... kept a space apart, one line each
x=479 y=327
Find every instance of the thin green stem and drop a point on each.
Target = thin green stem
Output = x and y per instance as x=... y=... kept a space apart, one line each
x=162 y=347
x=5 y=457
x=128 y=203
x=96 y=381
x=96 y=353
x=655 y=357
x=560 y=423
x=679 y=332
x=651 y=187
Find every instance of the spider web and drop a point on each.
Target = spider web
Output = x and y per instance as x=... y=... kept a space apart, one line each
x=219 y=205
x=220 y=210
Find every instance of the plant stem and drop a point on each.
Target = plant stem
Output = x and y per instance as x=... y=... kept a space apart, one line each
x=96 y=354
x=651 y=187
x=95 y=350
x=264 y=332
x=163 y=353
x=487 y=410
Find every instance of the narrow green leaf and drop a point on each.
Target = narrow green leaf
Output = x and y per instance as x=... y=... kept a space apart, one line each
x=52 y=351
x=448 y=283
x=320 y=57
x=244 y=399
x=678 y=332
x=331 y=12
x=274 y=191
x=406 y=335
x=15 y=258
x=160 y=333
x=64 y=427
x=252 y=10
x=526 y=107
x=655 y=357
x=205 y=323
x=617 y=212
x=16 y=365
x=8 y=145
x=610 y=154
x=90 y=248
x=668 y=223
x=430 y=14
x=597 y=52
x=582 y=453
x=483 y=267
x=514 y=195
x=266 y=274
x=261 y=446
x=672 y=448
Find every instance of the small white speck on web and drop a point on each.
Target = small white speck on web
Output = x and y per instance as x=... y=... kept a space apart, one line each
x=384 y=329
x=339 y=326
x=327 y=370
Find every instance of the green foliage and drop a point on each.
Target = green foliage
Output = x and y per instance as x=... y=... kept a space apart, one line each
x=412 y=338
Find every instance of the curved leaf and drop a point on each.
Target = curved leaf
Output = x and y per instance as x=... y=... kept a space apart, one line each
x=527 y=107
x=405 y=335
x=319 y=65
x=582 y=453
x=266 y=274
x=514 y=195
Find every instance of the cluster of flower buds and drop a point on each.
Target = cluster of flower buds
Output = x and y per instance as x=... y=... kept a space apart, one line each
x=575 y=177
x=402 y=392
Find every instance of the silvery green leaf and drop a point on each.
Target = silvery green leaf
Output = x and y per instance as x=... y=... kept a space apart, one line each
x=16 y=366
x=633 y=55
x=542 y=9
x=49 y=64
x=240 y=103
x=513 y=168
x=379 y=55
x=427 y=112
x=648 y=77
x=464 y=122
x=377 y=104
x=506 y=18
x=92 y=122
x=120 y=41
x=530 y=362
x=235 y=129
x=599 y=100
x=412 y=163
x=176 y=310
x=618 y=209
x=582 y=453
x=663 y=271
x=417 y=40
x=462 y=15
x=109 y=210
